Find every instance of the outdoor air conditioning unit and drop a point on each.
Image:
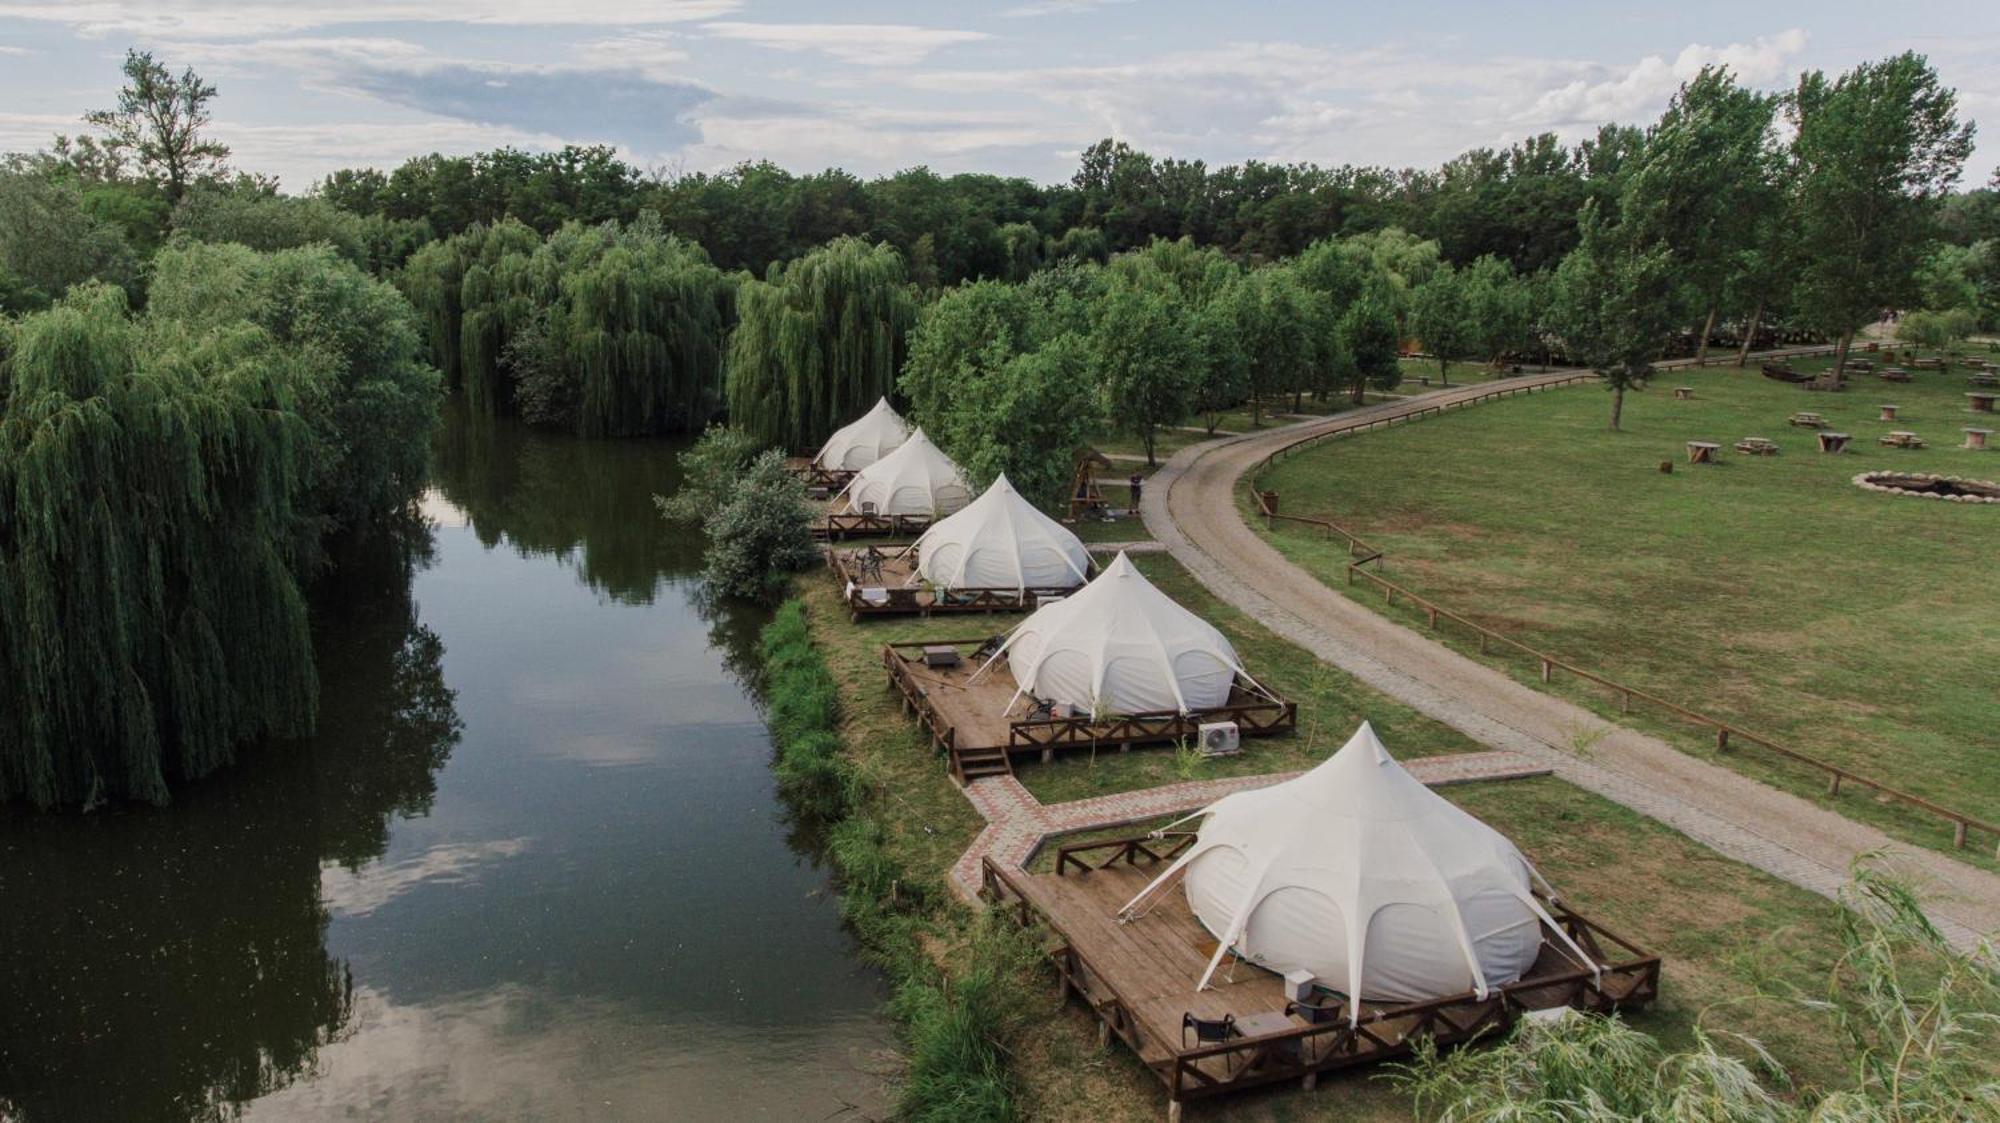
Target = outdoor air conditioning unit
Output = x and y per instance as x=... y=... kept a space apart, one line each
x=1220 y=738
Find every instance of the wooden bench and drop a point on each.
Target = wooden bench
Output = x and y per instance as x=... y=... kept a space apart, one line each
x=1901 y=439
x=1702 y=452
x=1806 y=419
x=1757 y=446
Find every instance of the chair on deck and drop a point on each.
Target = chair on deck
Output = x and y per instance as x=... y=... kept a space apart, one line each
x=1207 y=1031
x=988 y=649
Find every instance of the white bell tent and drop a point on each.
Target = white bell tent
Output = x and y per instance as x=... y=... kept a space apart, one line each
x=1361 y=875
x=1121 y=646
x=865 y=440
x=1000 y=541
x=915 y=479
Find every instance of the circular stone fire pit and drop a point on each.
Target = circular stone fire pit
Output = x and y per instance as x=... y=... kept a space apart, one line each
x=1923 y=485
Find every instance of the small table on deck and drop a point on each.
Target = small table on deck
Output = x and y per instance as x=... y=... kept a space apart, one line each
x=1263 y=1022
x=1981 y=402
x=940 y=655
x=1702 y=452
x=1976 y=438
x=1832 y=442
x=1683 y=393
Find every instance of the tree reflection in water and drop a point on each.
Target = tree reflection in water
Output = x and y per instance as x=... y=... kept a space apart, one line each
x=168 y=963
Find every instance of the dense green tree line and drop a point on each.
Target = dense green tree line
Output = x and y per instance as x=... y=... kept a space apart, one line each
x=168 y=485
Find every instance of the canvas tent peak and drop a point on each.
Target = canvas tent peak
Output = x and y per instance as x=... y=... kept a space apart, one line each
x=1000 y=540
x=915 y=479
x=864 y=440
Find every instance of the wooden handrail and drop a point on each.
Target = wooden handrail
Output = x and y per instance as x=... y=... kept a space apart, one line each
x=1725 y=732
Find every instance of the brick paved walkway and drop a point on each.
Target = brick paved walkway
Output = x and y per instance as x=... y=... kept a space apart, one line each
x=1191 y=506
x=1017 y=823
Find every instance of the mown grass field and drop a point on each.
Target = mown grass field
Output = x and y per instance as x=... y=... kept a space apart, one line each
x=1725 y=929
x=1768 y=591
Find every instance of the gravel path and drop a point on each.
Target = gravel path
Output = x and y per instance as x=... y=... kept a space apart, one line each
x=1191 y=507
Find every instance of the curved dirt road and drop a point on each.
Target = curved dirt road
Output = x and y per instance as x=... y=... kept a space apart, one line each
x=1191 y=507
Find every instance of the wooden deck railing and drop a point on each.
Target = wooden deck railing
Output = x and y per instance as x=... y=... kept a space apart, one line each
x=1131 y=851
x=1361 y=554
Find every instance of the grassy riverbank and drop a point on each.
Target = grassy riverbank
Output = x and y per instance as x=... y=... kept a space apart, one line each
x=1768 y=591
x=1724 y=929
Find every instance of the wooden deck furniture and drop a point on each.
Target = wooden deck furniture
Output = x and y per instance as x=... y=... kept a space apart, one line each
x=1975 y=439
x=1139 y=979
x=1805 y=419
x=1901 y=438
x=1683 y=393
x=880 y=583
x=1981 y=401
x=1702 y=452
x=1895 y=374
x=975 y=722
x=1888 y=413
x=1757 y=446
x=1832 y=442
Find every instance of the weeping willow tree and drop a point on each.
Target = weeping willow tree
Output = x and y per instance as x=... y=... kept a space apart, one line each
x=168 y=483
x=149 y=618
x=603 y=330
x=437 y=279
x=818 y=342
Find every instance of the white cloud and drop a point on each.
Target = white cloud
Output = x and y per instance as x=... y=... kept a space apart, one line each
x=1058 y=7
x=348 y=893
x=1642 y=90
x=867 y=44
x=223 y=18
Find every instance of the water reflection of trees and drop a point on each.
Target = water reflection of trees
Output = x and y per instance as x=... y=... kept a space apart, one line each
x=588 y=501
x=169 y=963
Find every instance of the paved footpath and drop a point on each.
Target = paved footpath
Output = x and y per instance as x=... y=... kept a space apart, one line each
x=1191 y=505
x=1017 y=823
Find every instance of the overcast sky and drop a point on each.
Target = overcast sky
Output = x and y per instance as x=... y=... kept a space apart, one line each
x=1015 y=86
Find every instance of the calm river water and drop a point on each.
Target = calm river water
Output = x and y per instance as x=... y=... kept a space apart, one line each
x=532 y=867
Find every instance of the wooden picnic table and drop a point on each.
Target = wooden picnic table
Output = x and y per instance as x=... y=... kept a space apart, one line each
x=1895 y=374
x=1981 y=401
x=1984 y=378
x=1806 y=419
x=1832 y=442
x=1902 y=438
x=1888 y=413
x=1702 y=452
x=1976 y=438
x=1757 y=446
x=1927 y=364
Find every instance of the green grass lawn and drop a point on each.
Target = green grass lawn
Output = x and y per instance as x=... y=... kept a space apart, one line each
x=1725 y=929
x=1769 y=591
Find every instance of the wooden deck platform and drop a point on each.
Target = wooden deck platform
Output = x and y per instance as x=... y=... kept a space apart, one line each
x=970 y=723
x=1139 y=979
x=836 y=526
x=814 y=476
x=888 y=589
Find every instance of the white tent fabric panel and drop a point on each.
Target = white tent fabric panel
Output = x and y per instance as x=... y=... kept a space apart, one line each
x=864 y=440
x=1000 y=541
x=1361 y=875
x=1121 y=646
x=915 y=479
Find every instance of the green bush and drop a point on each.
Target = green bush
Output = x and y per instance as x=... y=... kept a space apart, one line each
x=761 y=534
